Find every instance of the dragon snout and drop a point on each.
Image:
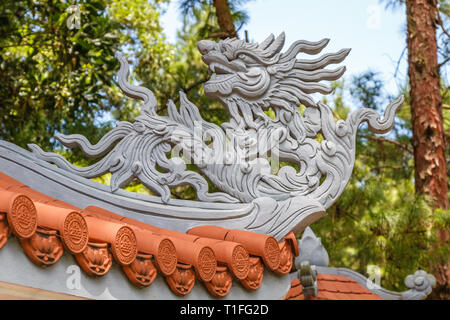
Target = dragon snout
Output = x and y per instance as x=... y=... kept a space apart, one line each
x=205 y=46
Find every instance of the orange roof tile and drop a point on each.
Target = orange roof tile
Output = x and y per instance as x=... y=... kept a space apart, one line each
x=333 y=287
x=46 y=227
x=257 y=244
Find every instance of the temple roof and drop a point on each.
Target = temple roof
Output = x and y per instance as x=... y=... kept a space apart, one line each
x=332 y=287
x=315 y=280
x=104 y=242
x=214 y=256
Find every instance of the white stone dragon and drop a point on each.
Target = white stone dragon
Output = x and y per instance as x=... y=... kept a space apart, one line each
x=248 y=79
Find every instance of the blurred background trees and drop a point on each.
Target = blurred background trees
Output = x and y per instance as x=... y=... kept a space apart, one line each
x=57 y=79
x=424 y=19
x=53 y=79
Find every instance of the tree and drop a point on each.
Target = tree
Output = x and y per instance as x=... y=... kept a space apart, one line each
x=224 y=18
x=426 y=113
x=53 y=77
x=424 y=17
x=379 y=220
x=426 y=102
x=227 y=14
x=61 y=79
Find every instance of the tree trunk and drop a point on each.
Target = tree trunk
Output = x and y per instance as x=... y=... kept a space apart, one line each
x=223 y=13
x=426 y=111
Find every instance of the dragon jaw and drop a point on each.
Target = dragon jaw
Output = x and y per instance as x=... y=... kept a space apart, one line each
x=231 y=77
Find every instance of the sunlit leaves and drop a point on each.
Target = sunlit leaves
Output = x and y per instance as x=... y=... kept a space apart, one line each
x=379 y=220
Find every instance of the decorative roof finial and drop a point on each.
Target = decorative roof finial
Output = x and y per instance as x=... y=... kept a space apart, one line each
x=312 y=250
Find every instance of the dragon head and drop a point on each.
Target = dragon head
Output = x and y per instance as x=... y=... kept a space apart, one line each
x=262 y=76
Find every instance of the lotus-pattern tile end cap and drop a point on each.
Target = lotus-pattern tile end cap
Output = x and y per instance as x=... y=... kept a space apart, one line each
x=182 y=280
x=311 y=250
x=221 y=283
x=141 y=272
x=95 y=260
x=44 y=248
x=255 y=275
x=286 y=257
x=308 y=279
x=420 y=284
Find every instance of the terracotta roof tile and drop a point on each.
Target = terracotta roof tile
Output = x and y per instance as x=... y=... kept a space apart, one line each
x=232 y=254
x=20 y=212
x=296 y=290
x=96 y=259
x=160 y=248
x=142 y=272
x=103 y=213
x=4 y=230
x=333 y=287
x=329 y=286
x=46 y=226
x=255 y=274
x=327 y=295
x=329 y=277
x=257 y=244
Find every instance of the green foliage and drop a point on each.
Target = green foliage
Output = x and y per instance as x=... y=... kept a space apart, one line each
x=53 y=78
x=207 y=22
x=442 y=24
x=190 y=72
x=379 y=220
x=366 y=89
x=60 y=80
x=145 y=46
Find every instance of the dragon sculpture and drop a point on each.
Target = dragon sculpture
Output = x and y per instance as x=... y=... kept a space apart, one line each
x=248 y=79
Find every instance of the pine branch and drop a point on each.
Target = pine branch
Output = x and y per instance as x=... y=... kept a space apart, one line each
x=391 y=167
x=221 y=35
x=399 y=61
x=397 y=143
x=443 y=62
x=441 y=24
x=186 y=90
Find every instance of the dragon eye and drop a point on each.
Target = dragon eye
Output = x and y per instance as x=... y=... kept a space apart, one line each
x=245 y=58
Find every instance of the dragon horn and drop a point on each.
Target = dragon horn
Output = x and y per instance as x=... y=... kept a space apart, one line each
x=135 y=92
x=266 y=43
x=276 y=46
x=303 y=46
